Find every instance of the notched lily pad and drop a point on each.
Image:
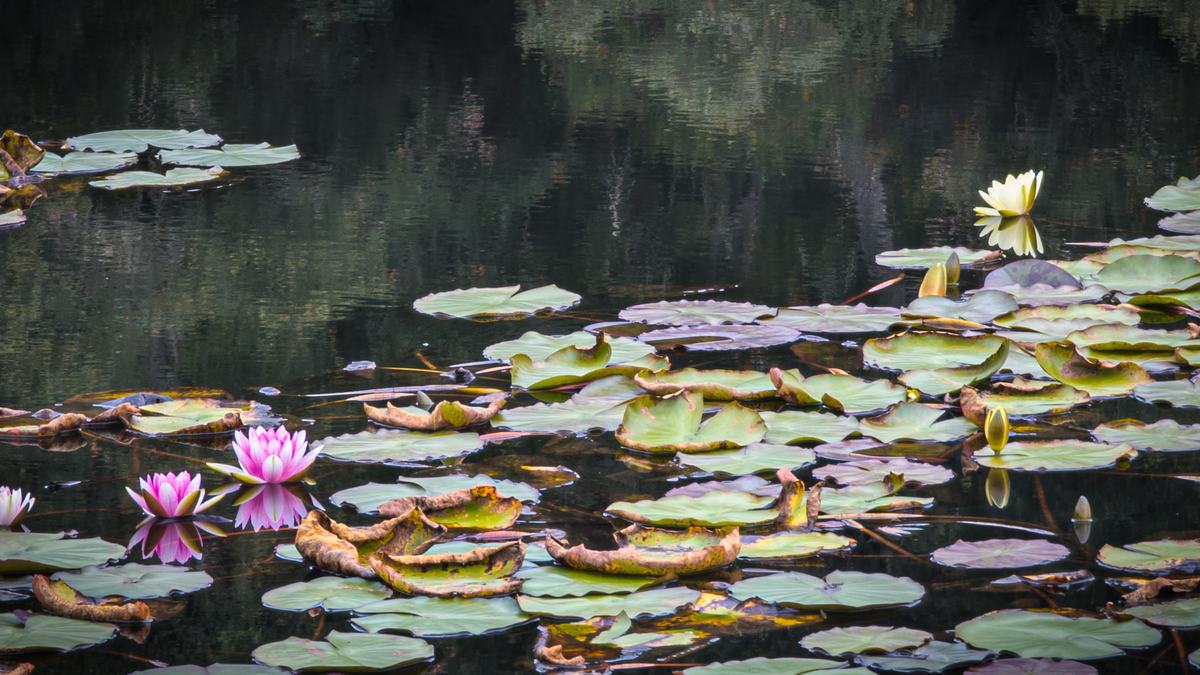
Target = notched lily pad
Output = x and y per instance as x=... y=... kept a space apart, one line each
x=843 y=393
x=441 y=617
x=716 y=338
x=754 y=458
x=1179 y=393
x=999 y=553
x=761 y=665
x=575 y=365
x=398 y=447
x=1020 y=398
x=716 y=508
x=60 y=599
x=135 y=581
x=1153 y=557
x=931 y=657
x=1056 y=455
x=26 y=552
x=555 y=581
x=231 y=154
x=1162 y=436
x=42 y=633
x=695 y=312
x=480 y=572
x=84 y=162
x=1043 y=634
x=139 y=140
x=332 y=594
x=798 y=426
x=538 y=346
x=667 y=425
x=792 y=545
x=839 y=591
x=475 y=508
x=354 y=652
x=836 y=318
x=864 y=639
x=924 y=258
x=652 y=551
x=504 y=301
x=341 y=549
x=171 y=179
x=916 y=422
x=1063 y=362
x=651 y=602
x=712 y=385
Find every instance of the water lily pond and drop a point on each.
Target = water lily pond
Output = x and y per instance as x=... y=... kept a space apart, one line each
x=450 y=337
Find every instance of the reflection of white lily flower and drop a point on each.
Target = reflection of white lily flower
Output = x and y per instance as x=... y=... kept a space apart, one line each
x=1014 y=197
x=1018 y=235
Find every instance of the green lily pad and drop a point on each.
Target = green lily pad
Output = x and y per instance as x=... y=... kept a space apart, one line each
x=712 y=385
x=667 y=425
x=194 y=417
x=1153 y=557
x=938 y=381
x=795 y=426
x=999 y=553
x=719 y=337
x=931 y=657
x=862 y=639
x=840 y=590
x=571 y=416
x=924 y=258
x=1162 y=436
x=84 y=162
x=13 y=218
x=843 y=393
x=717 y=508
x=1026 y=273
x=288 y=552
x=332 y=594
x=44 y=633
x=1064 y=363
x=928 y=351
x=754 y=458
x=135 y=581
x=574 y=365
x=359 y=652
x=212 y=669
x=1039 y=295
x=1056 y=455
x=1013 y=666
x=1180 y=243
x=32 y=552
x=368 y=498
x=915 y=422
x=1042 y=634
x=1184 y=195
x=138 y=140
x=1175 y=614
x=1059 y=322
x=874 y=497
x=1179 y=393
x=397 y=447
x=876 y=470
x=792 y=545
x=441 y=617
x=641 y=604
x=481 y=572
x=694 y=312
x=1181 y=223
x=555 y=581
x=981 y=307
x=495 y=302
x=538 y=346
x=231 y=154
x=1150 y=274
x=836 y=318
x=1022 y=398
x=761 y=665
x=172 y=178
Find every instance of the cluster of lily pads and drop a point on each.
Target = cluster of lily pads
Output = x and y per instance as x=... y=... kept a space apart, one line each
x=197 y=157
x=772 y=469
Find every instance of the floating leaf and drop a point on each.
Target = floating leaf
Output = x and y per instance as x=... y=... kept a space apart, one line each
x=875 y=470
x=715 y=338
x=1039 y=295
x=761 y=665
x=717 y=508
x=135 y=581
x=792 y=545
x=139 y=140
x=1057 y=455
x=26 y=552
x=1150 y=274
x=843 y=393
x=172 y=178
x=475 y=508
x=1184 y=195
x=860 y=639
x=999 y=553
x=480 y=572
x=441 y=617
x=495 y=302
x=554 y=581
x=839 y=591
x=1163 y=435
x=369 y=497
x=10 y=219
x=332 y=594
x=59 y=598
x=836 y=318
x=213 y=669
x=1058 y=322
x=651 y=551
x=361 y=652
x=912 y=350
x=538 y=346
x=1183 y=614
x=981 y=307
x=937 y=381
x=574 y=365
x=1033 y=667
x=42 y=633
x=341 y=549
x=794 y=426
x=84 y=162
x=694 y=312
x=652 y=602
x=231 y=154
x=1042 y=634
x=446 y=415
x=1153 y=557
x=932 y=657
x=869 y=498
x=568 y=417
x=712 y=385
x=1182 y=223
x=397 y=447
x=667 y=425
x=1179 y=393
x=1027 y=273
x=196 y=417
x=924 y=258
x=1064 y=363
x=916 y=422
x=754 y=458
x=1020 y=398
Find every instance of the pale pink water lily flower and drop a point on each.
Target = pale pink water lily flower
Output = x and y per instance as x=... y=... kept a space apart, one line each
x=269 y=456
x=272 y=506
x=14 y=505
x=171 y=495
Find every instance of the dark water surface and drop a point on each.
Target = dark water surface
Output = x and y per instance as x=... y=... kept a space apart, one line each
x=628 y=151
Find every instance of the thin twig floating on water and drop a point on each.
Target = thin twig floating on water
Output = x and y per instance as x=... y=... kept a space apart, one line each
x=874 y=289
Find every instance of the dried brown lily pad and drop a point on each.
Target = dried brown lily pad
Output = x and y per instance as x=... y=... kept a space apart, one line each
x=59 y=598
x=59 y=425
x=654 y=551
x=446 y=415
x=119 y=415
x=475 y=508
x=483 y=571
x=343 y=549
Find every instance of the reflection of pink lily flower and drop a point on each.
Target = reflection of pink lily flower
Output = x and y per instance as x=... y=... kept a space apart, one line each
x=14 y=505
x=273 y=506
x=171 y=495
x=269 y=456
x=173 y=541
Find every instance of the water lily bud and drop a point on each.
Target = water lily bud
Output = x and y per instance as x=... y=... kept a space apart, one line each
x=997 y=488
x=1083 y=510
x=934 y=282
x=912 y=395
x=953 y=269
x=995 y=429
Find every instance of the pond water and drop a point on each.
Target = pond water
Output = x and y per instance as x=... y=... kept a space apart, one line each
x=629 y=152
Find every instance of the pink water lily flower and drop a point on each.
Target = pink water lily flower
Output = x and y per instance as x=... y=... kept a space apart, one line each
x=173 y=541
x=271 y=506
x=269 y=456
x=14 y=505
x=171 y=495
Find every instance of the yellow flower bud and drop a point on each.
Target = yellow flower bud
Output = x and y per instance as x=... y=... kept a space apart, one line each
x=934 y=282
x=953 y=269
x=995 y=429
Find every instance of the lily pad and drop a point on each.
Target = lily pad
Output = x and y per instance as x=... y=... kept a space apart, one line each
x=876 y=470
x=1150 y=274
x=1162 y=436
x=196 y=417
x=1026 y=273
x=212 y=669
x=1059 y=322
x=1043 y=634
x=139 y=140
x=796 y=426
x=916 y=422
x=792 y=545
x=667 y=425
x=717 y=508
x=1020 y=398
x=716 y=338
x=1184 y=195
x=694 y=312
x=135 y=581
x=761 y=665
x=924 y=258
x=712 y=385
x=651 y=551
x=1153 y=557
x=84 y=162
x=44 y=633
x=911 y=351
x=1181 y=223
x=1056 y=455
x=231 y=154
x=1063 y=362
x=10 y=219
x=361 y=652
x=441 y=617
x=840 y=590
x=1179 y=393
x=875 y=497
x=575 y=365
x=172 y=178
x=1033 y=667
x=999 y=553
x=571 y=416
x=480 y=572
x=931 y=657
x=843 y=393
x=538 y=346
x=858 y=318
x=555 y=581
x=332 y=594
x=938 y=381
x=398 y=447
x=369 y=497
x=475 y=508
x=981 y=307
x=505 y=301
x=754 y=458
x=863 y=639
x=1175 y=614
x=1039 y=295
x=652 y=602
x=28 y=552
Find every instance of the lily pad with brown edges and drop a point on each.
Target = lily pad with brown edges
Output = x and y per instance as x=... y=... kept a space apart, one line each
x=196 y=417
x=835 y=318
x=1019 y=398
x=481 y=572
x=713 y=385
x=676 y=424
x=577 y=365
x=839 y=591
x=1063 y=362
x=18 y=155
x=445 y=416
x=1162 y=556
x=653 y=551
x=475 y=508
x=842 y=392
x=915 y=422
x=716 y=338
x=1162 y=436
x=538 y=346
x=343 y=549
x=27 y=427
x=60 y=599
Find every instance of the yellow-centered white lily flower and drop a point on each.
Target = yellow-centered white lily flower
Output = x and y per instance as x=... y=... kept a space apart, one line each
x=1014 y=197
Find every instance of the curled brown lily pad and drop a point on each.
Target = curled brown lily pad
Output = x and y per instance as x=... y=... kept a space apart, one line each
x=654 y=551
x=475 y=508
x=483 y=571
x=59 y=598
x=62 y=424
x=343 y=549
x=446 y=415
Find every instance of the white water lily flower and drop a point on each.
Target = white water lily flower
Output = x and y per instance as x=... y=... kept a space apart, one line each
x=1014 y=197
x=14 y=505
